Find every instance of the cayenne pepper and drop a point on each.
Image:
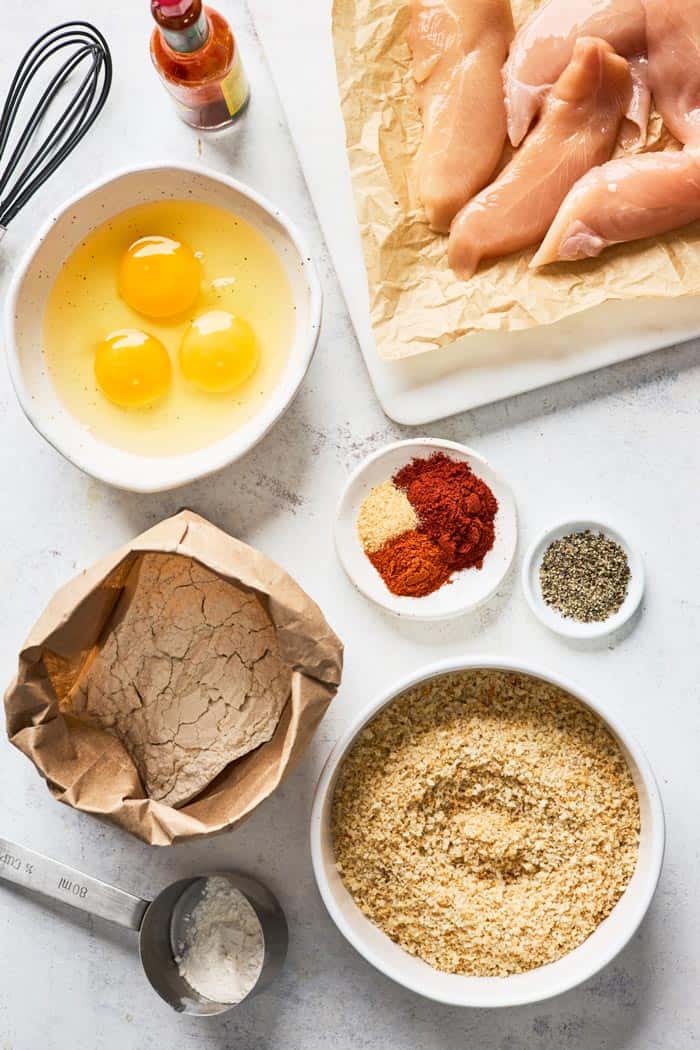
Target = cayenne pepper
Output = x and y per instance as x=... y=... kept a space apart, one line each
x=412 y=565
x=456 y=514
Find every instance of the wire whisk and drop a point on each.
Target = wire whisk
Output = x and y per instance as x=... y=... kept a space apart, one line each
x=38 y=151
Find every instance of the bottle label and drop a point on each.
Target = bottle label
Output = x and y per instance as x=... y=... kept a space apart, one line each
x=234 y=86
x=185 y=41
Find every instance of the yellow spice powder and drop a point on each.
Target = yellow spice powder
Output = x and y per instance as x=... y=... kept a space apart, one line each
x=385 y=514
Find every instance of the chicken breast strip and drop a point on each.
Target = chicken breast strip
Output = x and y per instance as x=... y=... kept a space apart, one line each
x=543 y=46
x=458 y=47
x=673 y=33
x=577 y=130
x=624 y=200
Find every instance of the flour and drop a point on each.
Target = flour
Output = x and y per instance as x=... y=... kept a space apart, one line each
x=189 y=677
x=221 y=954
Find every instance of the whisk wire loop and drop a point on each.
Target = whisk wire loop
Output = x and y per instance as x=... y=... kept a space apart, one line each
x=83 y=43
x=71 y=115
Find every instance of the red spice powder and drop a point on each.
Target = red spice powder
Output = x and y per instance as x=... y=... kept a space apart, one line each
x=456 y=509
x=411 y=565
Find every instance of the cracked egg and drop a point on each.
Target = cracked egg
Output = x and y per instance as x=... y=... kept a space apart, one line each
x=213 y=308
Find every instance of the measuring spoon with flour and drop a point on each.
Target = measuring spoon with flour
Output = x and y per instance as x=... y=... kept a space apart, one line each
x=181 y=932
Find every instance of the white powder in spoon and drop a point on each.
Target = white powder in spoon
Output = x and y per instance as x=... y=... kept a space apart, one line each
x=222 y=951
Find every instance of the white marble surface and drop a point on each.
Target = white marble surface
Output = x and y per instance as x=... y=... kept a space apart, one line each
x=624 y=442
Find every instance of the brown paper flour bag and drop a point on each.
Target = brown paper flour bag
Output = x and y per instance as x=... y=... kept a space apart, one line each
x=185 y=662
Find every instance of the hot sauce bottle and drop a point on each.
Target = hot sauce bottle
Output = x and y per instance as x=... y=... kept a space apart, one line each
x=197 y=58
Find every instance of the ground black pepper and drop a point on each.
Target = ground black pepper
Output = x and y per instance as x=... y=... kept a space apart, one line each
x=585 y=576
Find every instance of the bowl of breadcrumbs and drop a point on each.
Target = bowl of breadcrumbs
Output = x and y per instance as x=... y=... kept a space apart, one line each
x=486 y=836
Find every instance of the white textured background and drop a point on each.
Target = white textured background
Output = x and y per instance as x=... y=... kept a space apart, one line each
x=623 y=442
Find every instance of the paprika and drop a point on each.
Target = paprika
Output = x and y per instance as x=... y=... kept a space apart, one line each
x=455 y=507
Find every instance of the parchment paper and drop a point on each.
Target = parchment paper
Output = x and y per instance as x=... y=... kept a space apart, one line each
x=89 y=768
x=416 y=302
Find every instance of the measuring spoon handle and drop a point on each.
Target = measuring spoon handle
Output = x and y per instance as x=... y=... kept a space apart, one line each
x=36 y=872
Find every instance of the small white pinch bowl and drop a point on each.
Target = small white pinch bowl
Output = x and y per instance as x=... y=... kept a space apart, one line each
x=565 y=625
x=35 y=275
x=469 y=588
x=521 y=989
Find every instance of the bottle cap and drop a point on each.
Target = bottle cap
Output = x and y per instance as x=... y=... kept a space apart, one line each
x=175 y=7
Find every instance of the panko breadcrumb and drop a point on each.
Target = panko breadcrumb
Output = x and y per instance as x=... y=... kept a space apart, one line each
x=486 y=821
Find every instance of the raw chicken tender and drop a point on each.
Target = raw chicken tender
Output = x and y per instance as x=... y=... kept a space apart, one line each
x=673 y=31
x=578 y=129
x=458 y=47
x=543 y=46
x=624 y=200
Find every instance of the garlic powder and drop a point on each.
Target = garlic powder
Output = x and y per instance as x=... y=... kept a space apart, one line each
x=385 y=514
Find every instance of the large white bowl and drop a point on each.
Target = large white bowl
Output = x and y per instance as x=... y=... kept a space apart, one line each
x=35 y=275
x=545 y=981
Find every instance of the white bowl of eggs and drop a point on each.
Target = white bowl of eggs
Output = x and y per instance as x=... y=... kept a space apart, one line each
x=160 y=324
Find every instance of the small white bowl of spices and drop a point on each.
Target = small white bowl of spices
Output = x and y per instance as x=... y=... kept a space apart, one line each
x=426 y=528
x=583 y=579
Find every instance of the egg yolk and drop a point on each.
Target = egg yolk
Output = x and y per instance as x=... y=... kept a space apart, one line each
x=132 y=368
x=219 y=351
x=159 y=277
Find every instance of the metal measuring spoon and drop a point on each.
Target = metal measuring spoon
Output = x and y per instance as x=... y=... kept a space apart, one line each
x=159 y=923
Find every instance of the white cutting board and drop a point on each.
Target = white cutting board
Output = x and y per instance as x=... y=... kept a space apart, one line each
x=480 y=368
